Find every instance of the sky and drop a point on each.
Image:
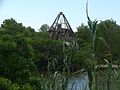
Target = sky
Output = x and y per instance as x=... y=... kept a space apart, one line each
x=34 y=13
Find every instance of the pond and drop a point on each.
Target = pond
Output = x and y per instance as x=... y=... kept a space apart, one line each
x=78 y=82
x=104 y=81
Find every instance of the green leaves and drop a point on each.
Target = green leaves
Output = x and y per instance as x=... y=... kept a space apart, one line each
x=92 y=24
x=44 y=28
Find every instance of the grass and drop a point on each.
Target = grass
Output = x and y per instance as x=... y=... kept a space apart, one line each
x=91 y=70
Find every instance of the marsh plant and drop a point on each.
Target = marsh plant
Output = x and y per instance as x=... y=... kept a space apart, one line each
x=91 y=69
x=110 y=74
x=58 y=80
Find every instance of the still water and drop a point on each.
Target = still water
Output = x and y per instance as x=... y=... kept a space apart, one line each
x=78 y=82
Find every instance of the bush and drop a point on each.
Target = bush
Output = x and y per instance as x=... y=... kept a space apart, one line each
x=27 y=87
x=37 y=82
x=6 y=84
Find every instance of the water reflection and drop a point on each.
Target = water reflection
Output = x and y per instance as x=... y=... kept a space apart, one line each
x=79 y=82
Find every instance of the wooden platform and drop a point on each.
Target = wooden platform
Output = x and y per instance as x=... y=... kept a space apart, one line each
x=106 y=66
x=101 y=67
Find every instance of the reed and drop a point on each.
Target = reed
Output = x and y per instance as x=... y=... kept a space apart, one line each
x=91 y=69
x=58 y=80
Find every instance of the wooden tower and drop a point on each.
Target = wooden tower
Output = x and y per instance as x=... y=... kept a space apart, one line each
x=61 y=29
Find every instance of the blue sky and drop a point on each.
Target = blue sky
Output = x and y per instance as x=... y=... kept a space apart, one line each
x=34 y=13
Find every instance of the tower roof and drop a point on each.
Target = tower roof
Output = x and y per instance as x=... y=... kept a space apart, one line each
x=61 y=29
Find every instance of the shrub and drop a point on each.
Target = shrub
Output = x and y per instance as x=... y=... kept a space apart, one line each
x=27 y=87
x=6 y=84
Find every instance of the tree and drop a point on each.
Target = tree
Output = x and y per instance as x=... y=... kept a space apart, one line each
x=16 y=58
x=107 y=41
x=30 y=29
x=44 y=28
x=83 y=35
x=12 y=26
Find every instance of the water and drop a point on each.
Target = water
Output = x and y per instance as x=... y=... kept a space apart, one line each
x=79 y=82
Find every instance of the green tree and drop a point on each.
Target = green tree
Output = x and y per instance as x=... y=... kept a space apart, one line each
x=16 y=56
x=12 y=26
x=108 y=42
x=44 y=28
x=30 y=29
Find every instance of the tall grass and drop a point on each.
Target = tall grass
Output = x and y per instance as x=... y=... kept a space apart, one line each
x=58 y=80
x=91 y=69
x=112 y=76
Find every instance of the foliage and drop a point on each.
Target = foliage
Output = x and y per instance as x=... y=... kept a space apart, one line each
x=6 y=84
x=45 y=52
x=26 y=87
x=26 y=54
x=16 y=58
x=107 y=40
x=44 y=28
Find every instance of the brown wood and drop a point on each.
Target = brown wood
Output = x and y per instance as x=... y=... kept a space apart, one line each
x=61 y=30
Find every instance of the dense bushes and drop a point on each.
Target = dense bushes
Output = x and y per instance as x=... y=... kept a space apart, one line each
x=25 y=54
x=107 y=41
x=6 y=84
x=16 y=58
